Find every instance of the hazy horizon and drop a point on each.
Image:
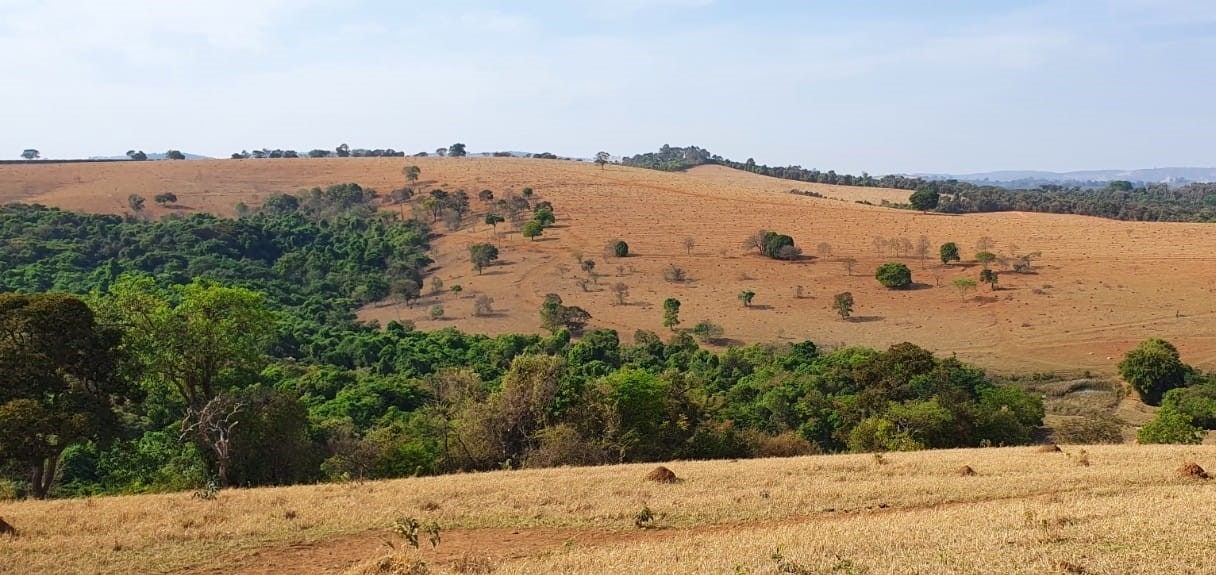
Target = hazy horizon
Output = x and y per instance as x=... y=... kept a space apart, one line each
x=881 y=87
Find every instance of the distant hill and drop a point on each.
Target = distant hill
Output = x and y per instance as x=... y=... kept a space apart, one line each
x=1034 y=178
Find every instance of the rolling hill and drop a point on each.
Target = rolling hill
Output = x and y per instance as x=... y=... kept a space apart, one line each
x=1100 y=286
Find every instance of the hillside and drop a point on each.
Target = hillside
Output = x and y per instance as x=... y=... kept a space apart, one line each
x=1100 y=286
x=1103 y=509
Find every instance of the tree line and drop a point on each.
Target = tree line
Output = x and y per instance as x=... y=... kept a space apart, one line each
x=1122 y=200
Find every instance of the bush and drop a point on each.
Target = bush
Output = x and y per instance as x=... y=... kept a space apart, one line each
x=785 y=444
x=1197 y=402
x=773 y=243
x=1170 y=427
x=894 y=275
x=707 y=331
x=436 y=312
x=675 y=274
x=620 y=248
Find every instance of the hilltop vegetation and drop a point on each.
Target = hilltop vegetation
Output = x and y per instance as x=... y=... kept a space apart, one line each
x=1119 y=200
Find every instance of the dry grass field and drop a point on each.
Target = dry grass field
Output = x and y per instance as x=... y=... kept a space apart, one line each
x=1098 y=509
x=1100 y=287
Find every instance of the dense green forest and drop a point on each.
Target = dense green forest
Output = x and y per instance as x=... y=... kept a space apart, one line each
x=1119 y=200
x=202 y=350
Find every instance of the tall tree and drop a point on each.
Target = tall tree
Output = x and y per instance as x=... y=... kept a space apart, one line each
x=189 y=339
x=411 y=173
x=671 y=313
x=601 y=158
x=457 y=150
x=59 y=381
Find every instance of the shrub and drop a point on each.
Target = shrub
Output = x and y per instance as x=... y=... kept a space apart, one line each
x=894 y=275
x=620 y=249
x=949 y=252
x=843 y=304
x=483 y=306
x=674 y=274
x=1170 y=427
x=1197 y=402
x=436 y=312
x=773 y=243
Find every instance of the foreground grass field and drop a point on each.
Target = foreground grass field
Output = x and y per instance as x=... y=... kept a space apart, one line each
x=1099 y=509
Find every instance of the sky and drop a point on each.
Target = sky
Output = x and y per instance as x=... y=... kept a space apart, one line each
x=876 y=86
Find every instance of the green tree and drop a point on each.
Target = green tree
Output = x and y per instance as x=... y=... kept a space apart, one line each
x=457 y=150
x=843 y=304
x=964 y=285
x=544 y=215
x=493 y=220
x=532 y=229
x=989 y=277
x=138 y=156
x=1153 y=368
x=174 y=155
x=411 y=173
x=985 y=258
x=30 y=154
x=601 y=159
x=671 y=313
x=924 y=199
x=342 y=151
x=894 y=275
x=949 y=253
x=746 y=296
x=482 y=255
x=708 y=331
x=59 y=382
x=191 y=339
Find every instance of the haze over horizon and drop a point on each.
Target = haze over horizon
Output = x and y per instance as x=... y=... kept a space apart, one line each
x=882 y=86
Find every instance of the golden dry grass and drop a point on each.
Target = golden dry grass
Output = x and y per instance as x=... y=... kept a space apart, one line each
x=905 y=513
x=1102 y=285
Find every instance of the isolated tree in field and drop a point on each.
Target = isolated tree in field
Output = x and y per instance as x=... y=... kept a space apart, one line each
x=849 y=264
x=457 y=150
x=532 y=230
x=1153 y=368
x=59 y=382
x=135 y=202
x=30 y=154
x=456 y=289
x=755 y=241
x=486 y=196
x=174 y=155
x=985 y=258
x=436 y=312
x=137 y=156
x=671 y=313
x=441 y=152
x=689 y=243
x=483 y=306
x=482 y=255
x=924 y=199
x=493 y=220
x=894 y=275
x=989 y=277
x=675 y=274
x=824 y=250
x=707 y=331
x=621 y=291
x=746 y=297
x=411 y=173
x=964 y=285
x=775 y=244
x=165 y=198
x=949 y=253
x=922 y=249
x=407 y=291
x=601 y=158
x=843 y=304
x=544 y=215
x=436 y=285
x=342 y=151
x=620 y=249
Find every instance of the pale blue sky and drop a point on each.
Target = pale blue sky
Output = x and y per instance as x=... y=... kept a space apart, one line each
x=880 y=86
